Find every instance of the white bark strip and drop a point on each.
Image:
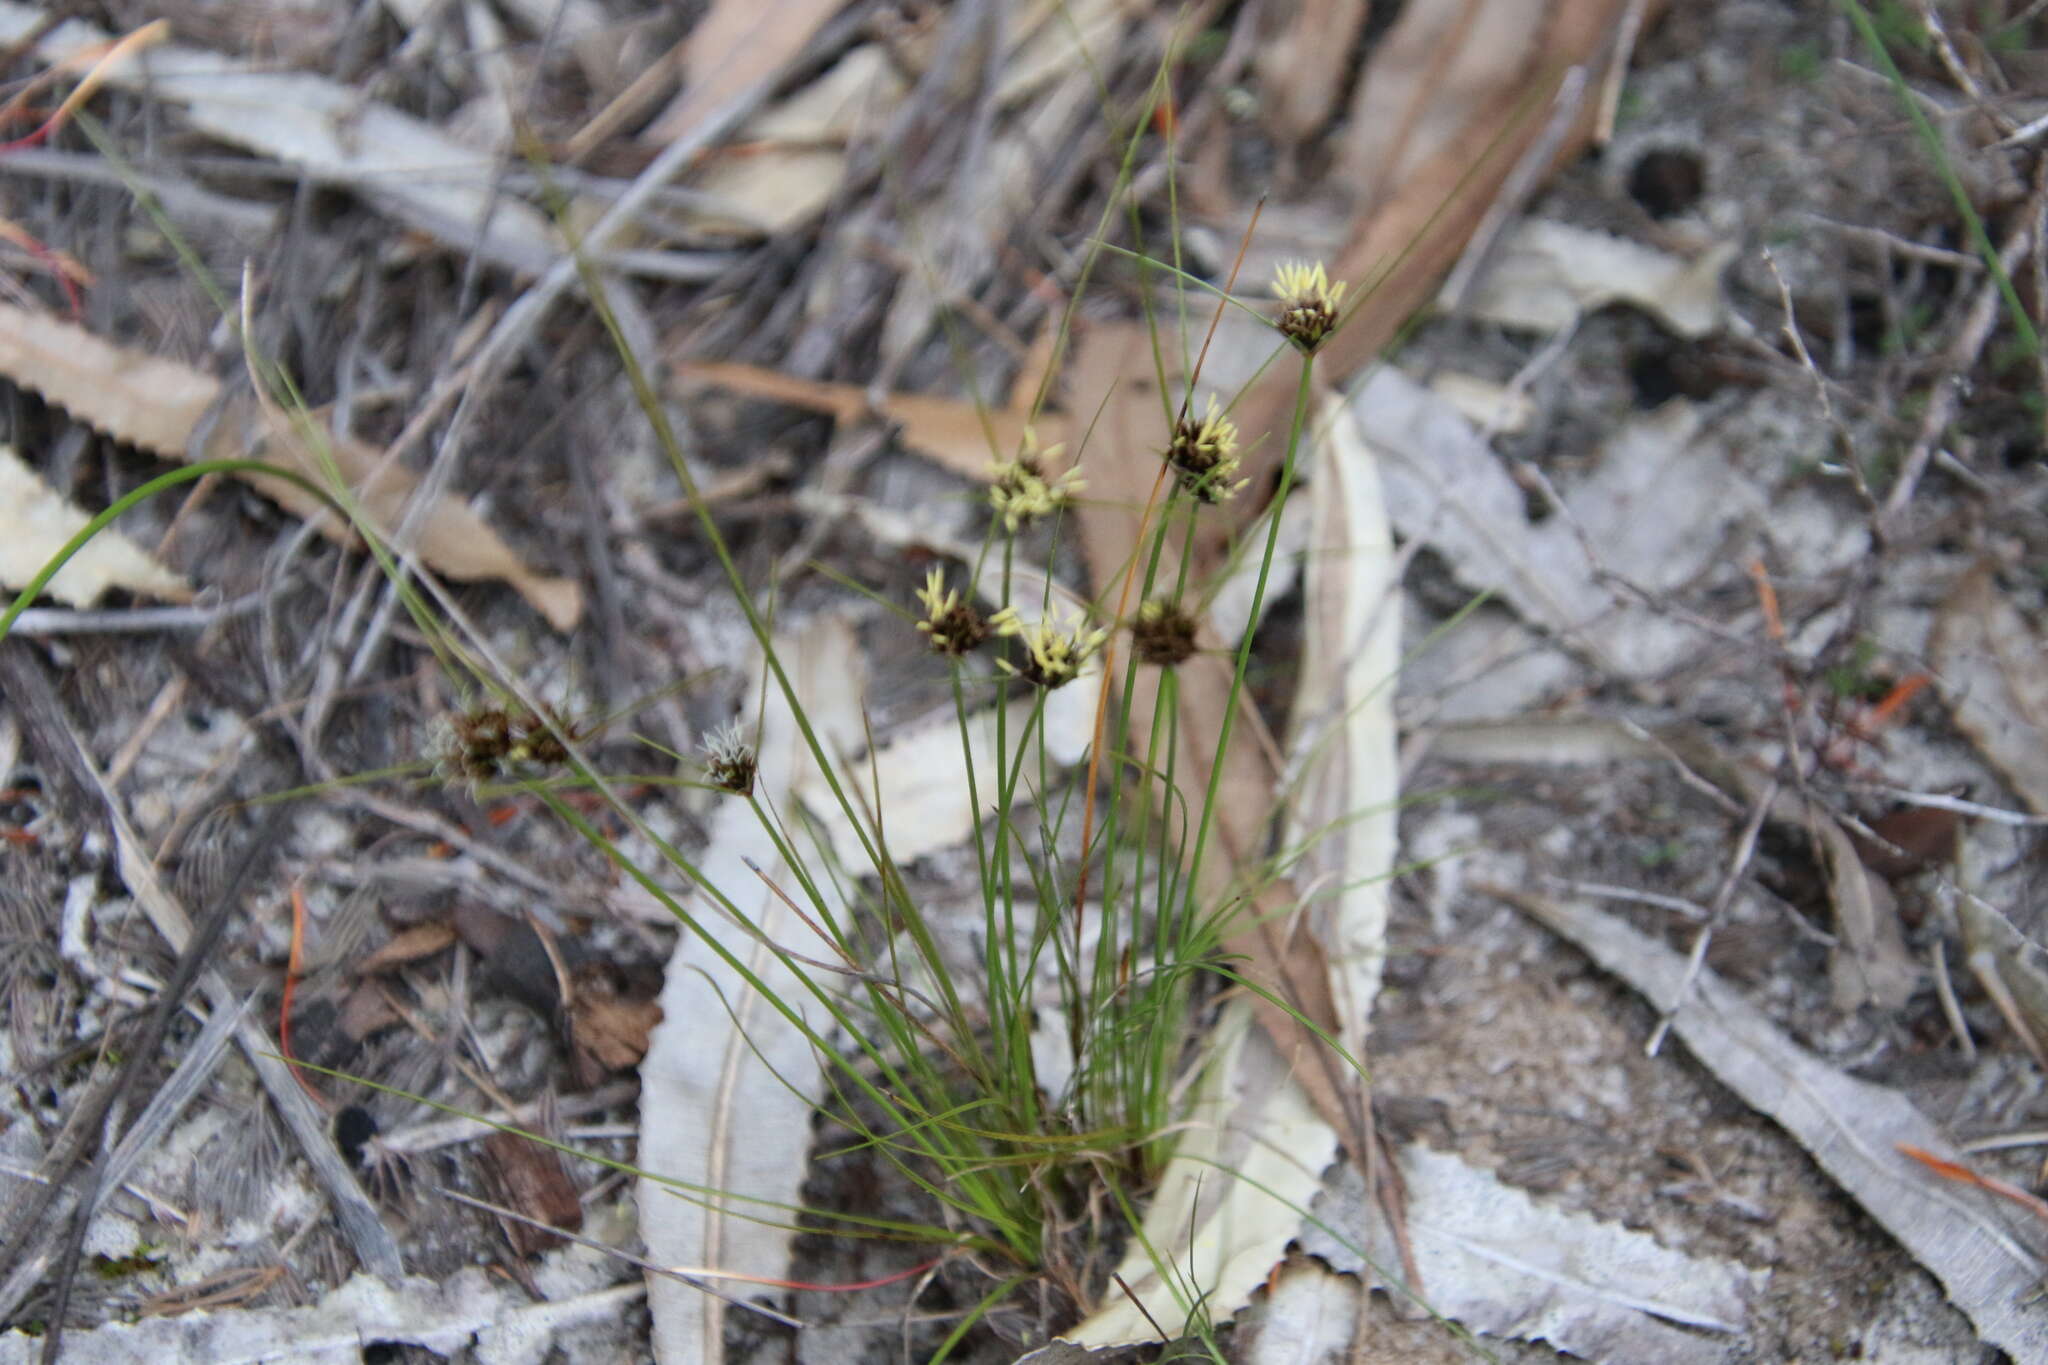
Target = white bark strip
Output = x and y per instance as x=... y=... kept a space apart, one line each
x=713 y=1110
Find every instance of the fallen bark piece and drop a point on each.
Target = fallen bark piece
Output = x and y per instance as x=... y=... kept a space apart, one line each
x=1499 y=1262
x=1993 y=667
x=1853 y=1129
x=35 y=523
x=468 y=1314
x=159 y=405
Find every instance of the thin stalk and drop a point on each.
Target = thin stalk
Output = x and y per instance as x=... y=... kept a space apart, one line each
x=1244 y=646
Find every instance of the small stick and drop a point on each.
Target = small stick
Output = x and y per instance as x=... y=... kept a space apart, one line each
x=1745 y=849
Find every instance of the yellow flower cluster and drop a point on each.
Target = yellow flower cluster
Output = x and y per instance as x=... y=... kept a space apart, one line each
x=1308 y=303
x=1021 y=493
x=1203 y=454
x=1054 y=648
x=950 y=622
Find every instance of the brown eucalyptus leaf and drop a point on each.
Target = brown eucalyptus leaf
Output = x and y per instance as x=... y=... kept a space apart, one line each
x=949 y=431
x=159 y=405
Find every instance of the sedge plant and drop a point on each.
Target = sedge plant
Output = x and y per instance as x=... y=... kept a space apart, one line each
x=944 y=1073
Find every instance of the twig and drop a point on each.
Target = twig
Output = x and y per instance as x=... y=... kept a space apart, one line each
x=651 y=1267
x=1961 y=359
x=1845 y=447
x=1630 y=29
x=1951 y=1008
x=1634 y=895
x=1738 y=863
x=1935 y=801
x=46 y=621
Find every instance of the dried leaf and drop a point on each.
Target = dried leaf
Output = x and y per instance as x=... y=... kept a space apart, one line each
x=406 y=946
x=35 y=523
x=791 y=157
x=1546 y=276
x=1853 y=1129
x=1494 y=408
x=159 y=405
x=953 y=433
x=528 y=1177
x=1993 y=666
x=610 y=1028
x=1066 y=1353
x=146 y=401
x=404 y=165
x=922 y=796
x=1493 y=1258
x=1445 y=485
x=1246 y=1170
x=1308 y=1317
x=735 y=44
x=1870 y=964
x=723 y=1099
x=1053 y=39
x=1440 y=63
x=451 y=538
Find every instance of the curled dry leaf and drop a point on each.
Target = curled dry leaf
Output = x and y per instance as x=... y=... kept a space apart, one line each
x=1853 y=1128
x=35 y=523
x=1548 y=275
x=1870 y=964
x=1345 y=793
x=1495 y=1259
x=1308 y=1317
x=1993 y=668
x=159 y=405
x=408 y=945
x=529 y=1177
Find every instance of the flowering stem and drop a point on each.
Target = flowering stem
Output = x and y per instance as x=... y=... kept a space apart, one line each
x=1244 y=645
